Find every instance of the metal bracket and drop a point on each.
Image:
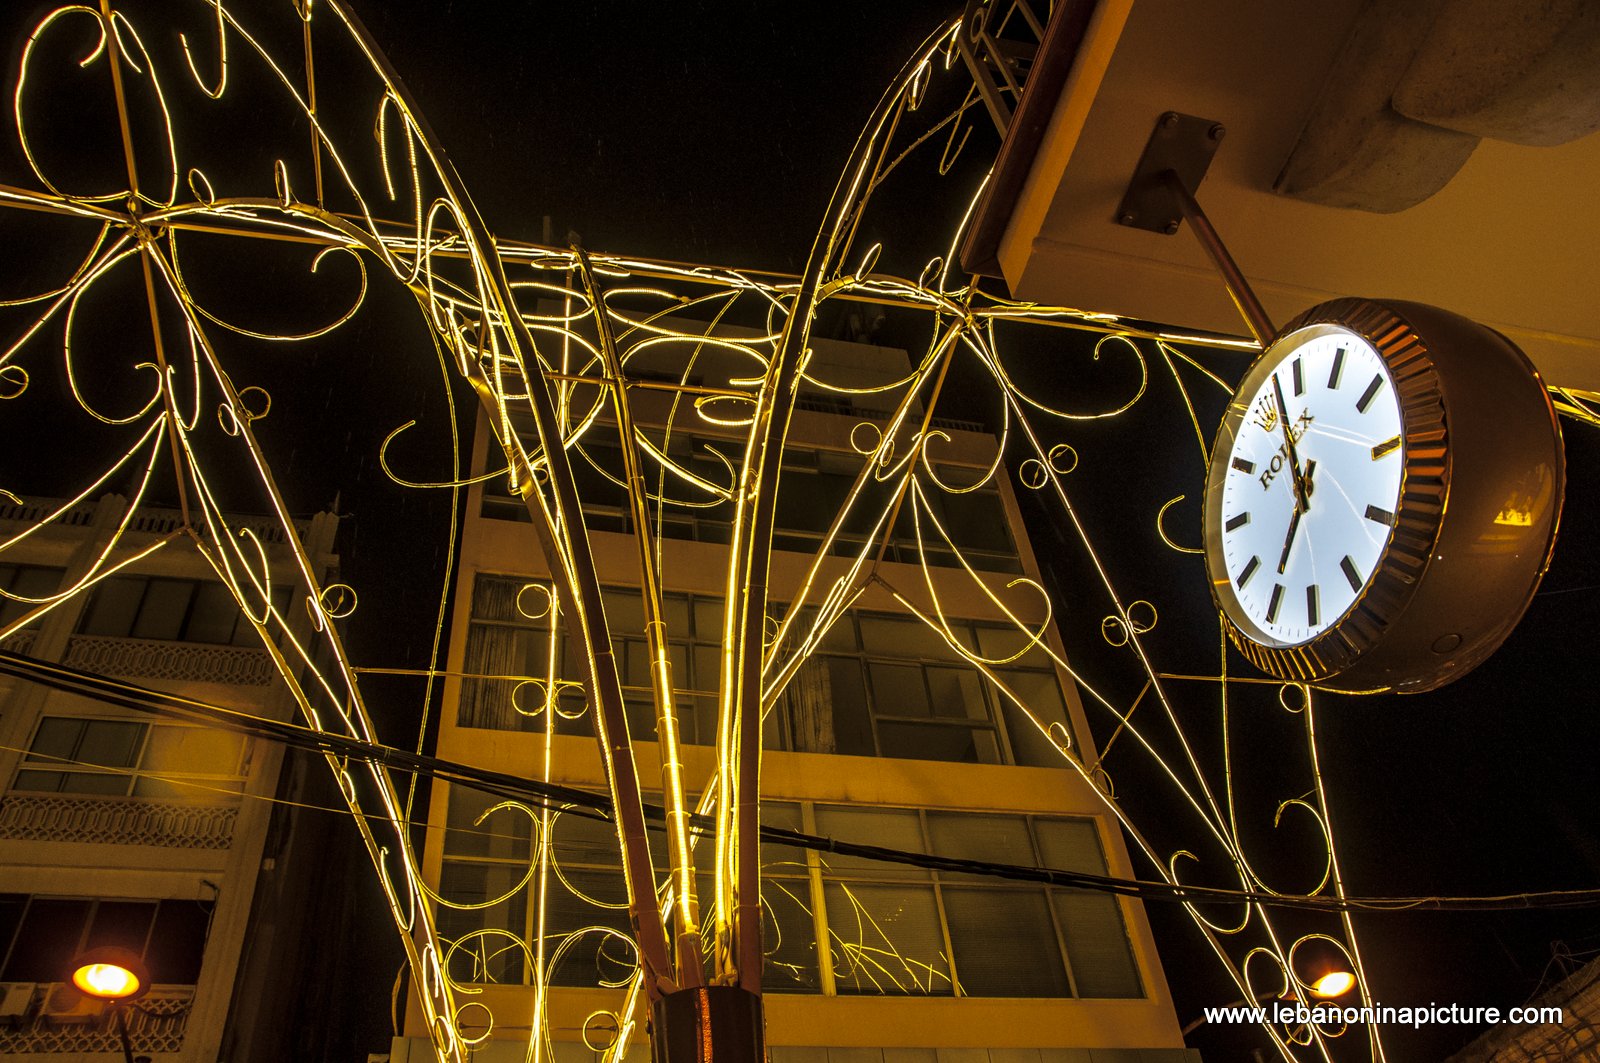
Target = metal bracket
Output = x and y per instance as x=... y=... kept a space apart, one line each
x=1183 y=144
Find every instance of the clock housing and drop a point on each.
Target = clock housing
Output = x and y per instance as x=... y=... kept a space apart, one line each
x=1480 y=480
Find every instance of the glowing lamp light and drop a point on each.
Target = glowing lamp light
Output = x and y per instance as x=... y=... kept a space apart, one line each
x=111 y=974
x=1333 y=984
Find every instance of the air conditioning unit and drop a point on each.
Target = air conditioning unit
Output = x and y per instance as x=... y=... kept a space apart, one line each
x=16 y=999
x=64 y=1003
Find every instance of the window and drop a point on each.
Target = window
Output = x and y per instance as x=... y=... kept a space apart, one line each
x=505 y=641
x=899 y=929
x=815 y=485
x=184 y=610
x=878 y=686
x=27 y=581
x=890 y=929
x=126 y=757
x=890 y=686
x=585 y=905
x=40 y=936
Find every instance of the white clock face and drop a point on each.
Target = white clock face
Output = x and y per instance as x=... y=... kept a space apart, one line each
x=1312 y=485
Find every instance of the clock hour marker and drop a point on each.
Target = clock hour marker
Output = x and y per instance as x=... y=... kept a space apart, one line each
x=1368 y=395
x=1272 y=606
x=1382 y=516
x=1237 y=522
x=1311 y=604
x=1338 y=368
x=1243 y=465
x=1249 y=570
x=1299 y=377
x=1385 y=447
x=1350 y=573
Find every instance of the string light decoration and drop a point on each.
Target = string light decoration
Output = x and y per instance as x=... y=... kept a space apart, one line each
x=557 y=344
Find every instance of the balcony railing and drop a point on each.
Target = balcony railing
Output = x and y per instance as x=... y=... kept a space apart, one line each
x=156 y=1023
x=160 y=659
x=120 y=820
x=149 y=519
x=21 y=642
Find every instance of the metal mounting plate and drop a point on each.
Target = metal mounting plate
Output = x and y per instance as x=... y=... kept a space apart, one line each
x=1182 y=143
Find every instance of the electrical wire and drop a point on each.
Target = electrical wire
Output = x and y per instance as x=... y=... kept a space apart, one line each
x=589 y=804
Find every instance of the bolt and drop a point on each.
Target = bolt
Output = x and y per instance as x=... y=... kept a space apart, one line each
x=1217 y=131
x=1172 y=228
x=1169 y=119
x=1125 y=218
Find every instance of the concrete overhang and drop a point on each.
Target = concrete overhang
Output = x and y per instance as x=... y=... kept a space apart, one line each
x=1508 y=239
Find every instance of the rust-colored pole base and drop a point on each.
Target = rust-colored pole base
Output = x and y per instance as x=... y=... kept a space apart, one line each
x=708 y=1024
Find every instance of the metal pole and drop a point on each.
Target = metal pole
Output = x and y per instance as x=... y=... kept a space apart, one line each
x=1255 y=315
x=122 y=1031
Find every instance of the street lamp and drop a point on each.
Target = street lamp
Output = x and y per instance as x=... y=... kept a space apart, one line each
x=1335 y=983
x=118 y=977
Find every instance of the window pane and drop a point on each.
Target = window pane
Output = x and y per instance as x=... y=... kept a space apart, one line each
x=898 y=690
x=707 y=666
x=497 y=597
x=886 y=939
x=178 y=942
x=215 y=615
x=596 y=953
x=999 y=641
x=906 y=639
x=113 y=607
x=50 y=936
x=788 y=937
x=782 y=859
x=624 y=612
x=698 y=719
x=998 y=839
x=579 y=840
x=121 y=924
x=634 y=663
x=498 y=650
x=1070 y=845
x=95 y=782
x=29 y=581
x=110 y=743
x=827 y=707
x=38 y=781
x=957 y=694
x=891 y=828
x=918 y=741
x=707 y=619
x=1040 y=692
x=57 y=737
x=504 y=833
x=1004 y=943
x=491 y=956
x=192 y=751
x=1097 y=944
x=165 y=605
x=977 y=520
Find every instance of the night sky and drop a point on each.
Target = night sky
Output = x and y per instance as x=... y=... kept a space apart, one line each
x=714 y=133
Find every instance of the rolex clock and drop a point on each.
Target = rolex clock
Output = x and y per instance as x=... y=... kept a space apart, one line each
x=1382 y=497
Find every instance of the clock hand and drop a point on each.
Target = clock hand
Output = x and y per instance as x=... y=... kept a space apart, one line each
x=1301 y=495
x=1288 y=540
x=1294 y=519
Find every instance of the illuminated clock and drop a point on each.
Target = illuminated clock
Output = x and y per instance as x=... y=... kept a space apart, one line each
x=1382 y=497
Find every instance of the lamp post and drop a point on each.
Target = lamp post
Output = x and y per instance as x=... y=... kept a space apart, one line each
x=118 y=977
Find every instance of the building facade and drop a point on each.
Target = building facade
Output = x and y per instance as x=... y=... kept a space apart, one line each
x=122 y=827
x=887 y=735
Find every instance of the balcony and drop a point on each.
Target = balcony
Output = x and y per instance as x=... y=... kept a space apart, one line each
x=56 y=1019
x=121 y=820
x=161 y=659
